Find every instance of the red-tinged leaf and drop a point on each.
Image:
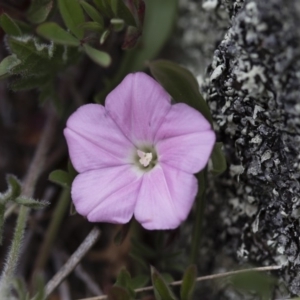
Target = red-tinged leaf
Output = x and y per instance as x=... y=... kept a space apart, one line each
x=131 y=38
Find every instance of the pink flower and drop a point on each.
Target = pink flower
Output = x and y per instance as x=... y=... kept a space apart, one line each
x=137 y=155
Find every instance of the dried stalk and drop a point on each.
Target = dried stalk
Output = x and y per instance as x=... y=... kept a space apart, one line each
x=73 y=261
x=203 y=278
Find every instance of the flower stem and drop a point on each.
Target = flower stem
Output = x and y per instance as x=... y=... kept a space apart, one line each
x=198 y=224
x=34 y=171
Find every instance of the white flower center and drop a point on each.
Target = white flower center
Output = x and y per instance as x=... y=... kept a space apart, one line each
x=145 y=157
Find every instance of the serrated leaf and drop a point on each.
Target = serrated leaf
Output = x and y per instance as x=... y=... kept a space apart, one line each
x=61 y=177
x=28 y=83
x=118 y=293
x=26 y=47
x=92 y=26
x=180 y=84
x=7 y=65
x=122 y=11
x=92 y=12
x=188 y=283
x=9 y=25
x=55 y=33
x=218 y=160
x=100 y=57
x=139 y=281
x=161 y=289
x=72 y=15
x=39 y=11
x=29 y=202
x=117 y=24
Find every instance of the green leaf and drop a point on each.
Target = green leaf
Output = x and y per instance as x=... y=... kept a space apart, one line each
x=7 y=65
x=32 y=203
x=14 y=186
x=39 y=11
x=123 y=279
x=100 y=57
x=61 y=177
x=161 y=289
x=180 y=84
x=260 y=283
x=118 y=293
x=72 y=15
x=104 y=36
x=117 y=24
x=218 y=160
x=21 y=289
x=188 y=283
x=55 y=33
x=92 y=26
x=39 y=287
x=139 y=281
x=122 y=11
x=2 y=220
x=28 y=83
x=71 y=170
x=9 y=25
x=143 y=249
x=92 y=12
x=121 y=234
x=104 y=7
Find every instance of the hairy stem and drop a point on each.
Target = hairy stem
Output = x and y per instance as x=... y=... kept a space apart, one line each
x=28 y=186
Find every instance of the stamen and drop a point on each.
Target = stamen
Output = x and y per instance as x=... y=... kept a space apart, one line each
x=145 y=158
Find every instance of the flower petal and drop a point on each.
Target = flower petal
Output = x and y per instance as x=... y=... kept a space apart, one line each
x=94 y=140
x=138 y=105
x=106 y=195
x=165 y=198
x=185 y=139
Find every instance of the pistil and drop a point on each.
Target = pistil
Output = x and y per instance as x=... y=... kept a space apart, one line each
x=145 y=158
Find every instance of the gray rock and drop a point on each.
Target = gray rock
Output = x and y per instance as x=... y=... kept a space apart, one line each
x=253 y=89
x=257 y=93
